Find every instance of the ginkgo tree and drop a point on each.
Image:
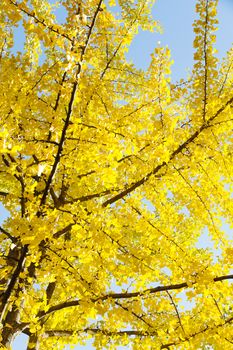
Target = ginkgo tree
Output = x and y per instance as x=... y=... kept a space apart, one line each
x=111 y=175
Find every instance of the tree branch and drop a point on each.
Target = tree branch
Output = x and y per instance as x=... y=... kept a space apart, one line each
x=155 y=171
x=126 y=295
x=6 y=233
x=7 y=294
x=139 y=333
x=69 y=112
x=42 y=22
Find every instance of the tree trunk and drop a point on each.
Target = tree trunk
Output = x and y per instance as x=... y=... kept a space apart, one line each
x=33 y=343
x=10 y=328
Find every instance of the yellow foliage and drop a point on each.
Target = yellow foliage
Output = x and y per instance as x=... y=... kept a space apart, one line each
x=111 y=177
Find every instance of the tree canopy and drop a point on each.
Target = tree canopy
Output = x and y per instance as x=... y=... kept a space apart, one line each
x=111 y=175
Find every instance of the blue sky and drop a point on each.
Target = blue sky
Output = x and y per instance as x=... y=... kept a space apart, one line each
x=176 y=17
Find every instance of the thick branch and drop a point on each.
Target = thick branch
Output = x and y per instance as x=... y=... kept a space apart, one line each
x=88 y=197
x=63 y=231
x=126 y=295
x=4 y=194
x=69 y=112
x=61 y=144
x=6 y=233
x=7 y=294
